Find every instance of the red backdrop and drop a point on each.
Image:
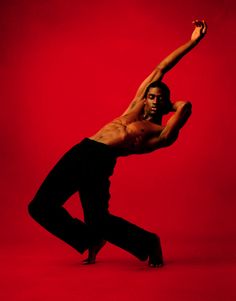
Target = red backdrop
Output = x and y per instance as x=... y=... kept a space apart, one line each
x=69 y=67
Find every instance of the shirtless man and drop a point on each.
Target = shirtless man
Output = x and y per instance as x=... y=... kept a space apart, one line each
x=87 y=166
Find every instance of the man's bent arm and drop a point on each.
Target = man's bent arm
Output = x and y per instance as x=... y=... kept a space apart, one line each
x=170 y=132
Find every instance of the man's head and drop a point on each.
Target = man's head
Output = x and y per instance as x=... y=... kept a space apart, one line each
x=157 y=99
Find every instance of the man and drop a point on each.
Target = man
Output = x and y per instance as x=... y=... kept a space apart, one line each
x=86 y=168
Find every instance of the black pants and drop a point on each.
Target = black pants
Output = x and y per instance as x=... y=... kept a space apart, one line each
x=86 y=169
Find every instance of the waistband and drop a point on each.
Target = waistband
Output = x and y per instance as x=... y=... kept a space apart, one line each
x=98 y=147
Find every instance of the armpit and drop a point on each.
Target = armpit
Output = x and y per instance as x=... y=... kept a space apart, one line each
x=135 y=106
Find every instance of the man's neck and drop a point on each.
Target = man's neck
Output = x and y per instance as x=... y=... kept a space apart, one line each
x=157 y=119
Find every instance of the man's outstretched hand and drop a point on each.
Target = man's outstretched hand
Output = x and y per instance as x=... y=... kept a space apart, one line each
x=199 y=30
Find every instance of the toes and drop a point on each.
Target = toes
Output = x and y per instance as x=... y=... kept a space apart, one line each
x=88 y=261
x=155 y=265
x=155 y=254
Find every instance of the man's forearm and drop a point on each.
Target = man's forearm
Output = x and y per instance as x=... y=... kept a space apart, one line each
x=171 y=60
x=182 y=111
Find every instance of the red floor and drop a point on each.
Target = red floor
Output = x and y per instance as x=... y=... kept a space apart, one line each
x=194 y=270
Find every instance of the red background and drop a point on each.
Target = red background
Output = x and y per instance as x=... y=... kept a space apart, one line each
x=69 y=67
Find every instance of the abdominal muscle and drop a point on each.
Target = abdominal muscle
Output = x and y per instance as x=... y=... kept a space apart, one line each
x=128 y=137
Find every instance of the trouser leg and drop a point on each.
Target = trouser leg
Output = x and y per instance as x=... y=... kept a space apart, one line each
x=116 y=230
x=47 y=206
x=128 y=236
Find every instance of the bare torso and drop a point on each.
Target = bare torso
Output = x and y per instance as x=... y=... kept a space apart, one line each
x=130 y=134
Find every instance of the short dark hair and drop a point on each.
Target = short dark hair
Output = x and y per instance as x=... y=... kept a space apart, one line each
x=161 y=85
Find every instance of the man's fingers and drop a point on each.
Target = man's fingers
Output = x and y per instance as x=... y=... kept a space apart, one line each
x=204 y=30
x=198 y=23
x=202 y=25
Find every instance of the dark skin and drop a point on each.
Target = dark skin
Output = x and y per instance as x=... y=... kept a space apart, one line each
x=139 y=129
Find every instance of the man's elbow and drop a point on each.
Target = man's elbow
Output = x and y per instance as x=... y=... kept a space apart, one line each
x=183 y=106
x=162 y=69
x=187 y=111
x=188 y=106
x=184 y=109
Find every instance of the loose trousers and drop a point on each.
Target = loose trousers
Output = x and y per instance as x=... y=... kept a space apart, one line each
x=86 y=169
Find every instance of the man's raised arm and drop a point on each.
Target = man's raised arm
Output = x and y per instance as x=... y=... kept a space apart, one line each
x=170 y=61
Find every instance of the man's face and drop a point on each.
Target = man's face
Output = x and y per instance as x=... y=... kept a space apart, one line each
x=156 y=102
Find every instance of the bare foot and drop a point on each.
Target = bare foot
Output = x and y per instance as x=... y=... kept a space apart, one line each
x=92 y=253
x=155 y=256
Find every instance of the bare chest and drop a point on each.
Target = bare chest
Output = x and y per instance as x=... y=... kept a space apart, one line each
x=131 y=136
x=143 y=128
x=140 y=134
